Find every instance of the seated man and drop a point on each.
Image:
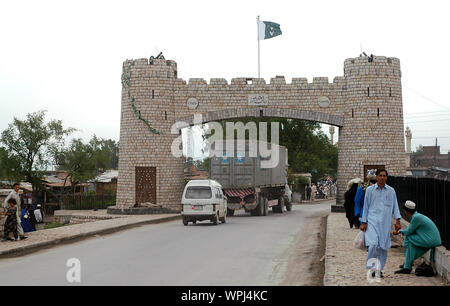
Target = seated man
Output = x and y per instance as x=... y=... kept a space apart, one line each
x=421 y=236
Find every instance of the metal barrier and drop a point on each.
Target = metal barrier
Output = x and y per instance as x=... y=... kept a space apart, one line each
x=82 y=201
x=432 y=198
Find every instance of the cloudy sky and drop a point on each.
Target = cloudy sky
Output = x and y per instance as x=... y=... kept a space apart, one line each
x=66 y=57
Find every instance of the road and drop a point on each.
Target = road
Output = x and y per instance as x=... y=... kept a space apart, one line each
x=278 y=249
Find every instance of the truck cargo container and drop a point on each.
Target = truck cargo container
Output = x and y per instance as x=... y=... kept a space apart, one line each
x=248 y=184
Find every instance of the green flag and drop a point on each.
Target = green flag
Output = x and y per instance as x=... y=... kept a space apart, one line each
x=268 y=29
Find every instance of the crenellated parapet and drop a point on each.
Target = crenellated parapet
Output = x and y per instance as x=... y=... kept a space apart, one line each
x=365 y=103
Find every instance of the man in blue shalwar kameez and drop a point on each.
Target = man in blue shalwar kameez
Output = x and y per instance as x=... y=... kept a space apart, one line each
x=420 y=236
x=380 y=205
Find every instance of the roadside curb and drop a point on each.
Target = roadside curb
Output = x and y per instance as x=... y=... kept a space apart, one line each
x=326 y=279
x=54 y=242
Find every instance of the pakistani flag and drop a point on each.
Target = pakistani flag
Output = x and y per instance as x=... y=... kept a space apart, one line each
x=268 y=29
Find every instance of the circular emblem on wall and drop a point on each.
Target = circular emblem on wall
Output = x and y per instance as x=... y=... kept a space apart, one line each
x=192 y=103
x=324 y=101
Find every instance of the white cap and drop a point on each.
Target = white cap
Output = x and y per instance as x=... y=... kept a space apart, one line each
x=410 y=204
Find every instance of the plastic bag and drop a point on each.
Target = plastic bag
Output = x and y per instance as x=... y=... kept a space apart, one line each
x=359 y=241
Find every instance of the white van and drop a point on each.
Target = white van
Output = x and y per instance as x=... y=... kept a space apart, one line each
x=203 y=200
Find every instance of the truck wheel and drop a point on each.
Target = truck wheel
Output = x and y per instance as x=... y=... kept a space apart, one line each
x=280 y=206
x=259 y=209
x=185 y=222
x=266 y=207
x=288 y=205
x=230 y=212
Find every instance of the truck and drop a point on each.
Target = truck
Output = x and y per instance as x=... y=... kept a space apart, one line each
x=248 y=183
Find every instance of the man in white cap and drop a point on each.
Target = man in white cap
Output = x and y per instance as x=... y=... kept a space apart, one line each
x=420 y=236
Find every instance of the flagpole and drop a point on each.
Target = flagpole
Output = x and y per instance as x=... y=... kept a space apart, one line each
x=257 y=36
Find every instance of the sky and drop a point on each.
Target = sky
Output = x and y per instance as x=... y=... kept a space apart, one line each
x=66 y=57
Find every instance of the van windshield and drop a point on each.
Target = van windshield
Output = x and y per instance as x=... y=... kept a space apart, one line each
x=198 y=192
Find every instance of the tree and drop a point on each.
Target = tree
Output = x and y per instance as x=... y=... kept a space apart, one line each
x=106 y=152
x=29 y=145
x=309 y=149
x=80 y=160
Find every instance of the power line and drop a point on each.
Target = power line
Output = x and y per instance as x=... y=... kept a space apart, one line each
x=429 y=121
x=426 y=98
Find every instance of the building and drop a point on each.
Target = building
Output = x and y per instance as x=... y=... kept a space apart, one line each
x=430 y=156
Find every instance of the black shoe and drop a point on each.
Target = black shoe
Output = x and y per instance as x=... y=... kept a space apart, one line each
x=23 y=237
x=403 y=271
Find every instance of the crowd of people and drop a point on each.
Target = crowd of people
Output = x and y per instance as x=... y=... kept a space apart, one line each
x=371 y=206
x=19 y=220
x=323 y=189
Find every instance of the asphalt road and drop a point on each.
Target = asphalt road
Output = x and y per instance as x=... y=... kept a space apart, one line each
x=245 y=251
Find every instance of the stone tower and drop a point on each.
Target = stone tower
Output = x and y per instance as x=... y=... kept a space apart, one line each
x=372 y=133
x=331 y=133
x=147 y=170
x=408 y=136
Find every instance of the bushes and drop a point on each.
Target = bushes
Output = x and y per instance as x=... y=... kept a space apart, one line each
x=53 y=225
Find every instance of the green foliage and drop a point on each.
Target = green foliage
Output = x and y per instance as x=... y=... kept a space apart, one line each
x=309 y=149
x=109 y=192
x=28 y=145
x=106 y=152
x=91 y=193
x=53 y=225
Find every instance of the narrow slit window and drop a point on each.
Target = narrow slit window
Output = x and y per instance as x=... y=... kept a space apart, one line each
x=353 y=114
x=368 y=92
x=390 y=92
x=261 y=113
x=153 y=93
x=378 y=112
x=165 y=115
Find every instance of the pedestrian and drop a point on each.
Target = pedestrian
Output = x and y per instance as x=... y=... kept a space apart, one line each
x=313 y=191
x=420 y=236
x=308 y=193
x=360 y=192
x=27 y=222
x=14 y=194
x=349 y=202
x=380 y=205
x=10 y=226
x=39 y=214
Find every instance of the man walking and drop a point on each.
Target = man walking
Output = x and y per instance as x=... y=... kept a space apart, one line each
x=380 y=205
x=15 y=195
x=308 y=193
x=420 y=236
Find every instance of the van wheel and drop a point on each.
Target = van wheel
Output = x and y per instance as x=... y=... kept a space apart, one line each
x=230 y=212
x=195 y=221
x=185 y=222
x=215 y=221
x=224 y=219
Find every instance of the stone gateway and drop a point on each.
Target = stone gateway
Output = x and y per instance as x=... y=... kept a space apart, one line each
x=365 y=104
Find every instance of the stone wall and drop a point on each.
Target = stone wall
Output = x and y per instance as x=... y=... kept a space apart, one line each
x=365 y=103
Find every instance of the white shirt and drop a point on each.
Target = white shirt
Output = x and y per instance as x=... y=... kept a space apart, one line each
x=38 y=215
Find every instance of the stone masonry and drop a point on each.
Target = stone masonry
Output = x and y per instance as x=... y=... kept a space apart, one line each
x=365 y=104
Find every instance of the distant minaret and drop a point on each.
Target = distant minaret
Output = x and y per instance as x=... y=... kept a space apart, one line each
x=408 y=136
x=332 y=133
